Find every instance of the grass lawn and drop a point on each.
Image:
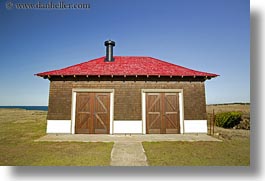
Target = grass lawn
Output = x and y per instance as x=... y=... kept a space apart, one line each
x=18 y=130
x=234 y=152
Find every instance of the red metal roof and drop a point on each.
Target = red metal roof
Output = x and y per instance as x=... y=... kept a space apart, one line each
x=126 y=65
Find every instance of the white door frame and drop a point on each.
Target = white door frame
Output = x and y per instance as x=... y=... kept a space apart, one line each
x=181 y=105
x=74 y=91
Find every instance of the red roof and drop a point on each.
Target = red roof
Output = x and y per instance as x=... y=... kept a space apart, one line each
x=126 y=65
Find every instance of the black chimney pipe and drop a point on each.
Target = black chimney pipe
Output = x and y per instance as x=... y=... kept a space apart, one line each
x=109 y=51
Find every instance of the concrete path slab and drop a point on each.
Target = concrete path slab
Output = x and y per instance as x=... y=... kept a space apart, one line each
x=126 y=138
x=128 y=154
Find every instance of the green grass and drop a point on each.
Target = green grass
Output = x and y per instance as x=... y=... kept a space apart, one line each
x=227 y=153
x=19 y=129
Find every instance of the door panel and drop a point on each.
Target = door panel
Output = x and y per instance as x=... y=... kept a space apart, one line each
x=102 y=107
x=171 y=113
x=153 y=113
x=83 y=112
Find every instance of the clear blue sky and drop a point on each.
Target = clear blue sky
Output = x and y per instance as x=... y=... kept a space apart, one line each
x=206 y=35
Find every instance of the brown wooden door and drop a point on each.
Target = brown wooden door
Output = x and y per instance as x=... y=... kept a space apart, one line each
x=84 y=112
x=153 y=113
x=101 y=113
x=171 y=113
x=92 y=113
x=162 y=113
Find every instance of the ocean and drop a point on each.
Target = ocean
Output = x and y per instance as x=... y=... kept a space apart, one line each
x=42 y=108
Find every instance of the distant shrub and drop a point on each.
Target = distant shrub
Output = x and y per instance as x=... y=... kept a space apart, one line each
x=228 y=119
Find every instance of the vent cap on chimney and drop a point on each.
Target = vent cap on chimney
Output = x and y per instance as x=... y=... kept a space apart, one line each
x=109 y=50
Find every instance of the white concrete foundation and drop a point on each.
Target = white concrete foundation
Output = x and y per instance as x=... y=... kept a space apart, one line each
x=58 y=126
x=127 y=127
x=195 y=126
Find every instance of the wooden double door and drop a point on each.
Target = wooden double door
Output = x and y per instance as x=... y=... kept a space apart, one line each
x=92 y=114
x=162 y=113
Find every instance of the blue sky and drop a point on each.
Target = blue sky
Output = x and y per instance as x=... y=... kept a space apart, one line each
x=206 y=35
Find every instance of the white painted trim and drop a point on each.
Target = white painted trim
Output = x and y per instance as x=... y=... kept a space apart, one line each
x=181 y=111
x=111 y=112
x=75 y=90
x=92 y=90
x=195 y=126
x=181 y=106
x=58 y=126
x=73 y=112
x=127 y=127
x=143 y=112
x=162 y=90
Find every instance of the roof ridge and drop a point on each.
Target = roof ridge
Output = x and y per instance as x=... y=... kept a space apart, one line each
x=127 y=65
x=71 y=66
x=179 y=65
x=131 y=56
x=81 y=63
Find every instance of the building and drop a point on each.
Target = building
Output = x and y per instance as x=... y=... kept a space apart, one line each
x=126 y=95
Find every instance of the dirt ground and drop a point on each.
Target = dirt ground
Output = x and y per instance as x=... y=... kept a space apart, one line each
x=244 y=108
x=229 y=134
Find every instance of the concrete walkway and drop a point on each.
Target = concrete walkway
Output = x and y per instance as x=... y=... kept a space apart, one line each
x=128 y=154
x=126 y=138
x=127 y=149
